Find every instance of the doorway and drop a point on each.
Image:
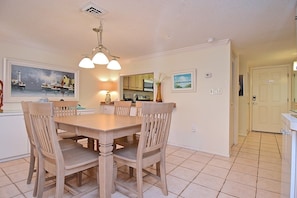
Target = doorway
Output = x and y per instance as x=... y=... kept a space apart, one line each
x=269 y=97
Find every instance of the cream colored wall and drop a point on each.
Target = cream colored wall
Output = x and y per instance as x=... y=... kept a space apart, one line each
x=89 y=93
x=209 y=114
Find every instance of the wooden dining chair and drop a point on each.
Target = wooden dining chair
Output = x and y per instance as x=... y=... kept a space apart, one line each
x=64 y=144
x=156 y=119
x=133 y=139
x=51 y=158
x=66 y=108
x=121 y=108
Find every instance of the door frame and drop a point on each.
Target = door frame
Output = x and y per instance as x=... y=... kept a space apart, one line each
x=251 y=88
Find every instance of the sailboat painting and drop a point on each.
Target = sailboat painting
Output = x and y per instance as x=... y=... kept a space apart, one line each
x=28 y=81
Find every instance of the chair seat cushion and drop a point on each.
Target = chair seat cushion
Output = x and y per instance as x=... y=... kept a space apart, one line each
x=130 y=153
x=67 y=144
x=79 y=156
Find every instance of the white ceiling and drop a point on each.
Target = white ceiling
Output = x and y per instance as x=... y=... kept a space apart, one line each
x=262 y=32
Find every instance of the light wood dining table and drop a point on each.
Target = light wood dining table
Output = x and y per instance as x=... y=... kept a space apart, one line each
x=105 y=128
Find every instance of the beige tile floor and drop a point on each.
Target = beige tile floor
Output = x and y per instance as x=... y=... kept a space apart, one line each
x=252 y=171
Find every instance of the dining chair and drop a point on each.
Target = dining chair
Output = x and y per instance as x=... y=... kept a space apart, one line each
x=69 y=108
x=156 y=119
x=64 y=144
x=51 y=158
x=126 y=141
x=122 y=108
x=66 y=108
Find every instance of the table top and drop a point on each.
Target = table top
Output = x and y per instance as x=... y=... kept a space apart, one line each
x=102 y=122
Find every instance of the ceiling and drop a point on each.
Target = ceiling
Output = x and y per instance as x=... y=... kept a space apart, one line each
x=262 y=32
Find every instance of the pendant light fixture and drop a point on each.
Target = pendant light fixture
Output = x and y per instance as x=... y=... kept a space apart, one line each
x=101 y=53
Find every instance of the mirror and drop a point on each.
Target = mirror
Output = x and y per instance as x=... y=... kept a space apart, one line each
x=137 y=87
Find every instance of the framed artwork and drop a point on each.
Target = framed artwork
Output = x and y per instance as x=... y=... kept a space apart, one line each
x=184 y=81
x=30 y=81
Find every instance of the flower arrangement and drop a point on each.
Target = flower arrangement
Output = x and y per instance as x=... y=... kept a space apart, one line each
x=162 y=77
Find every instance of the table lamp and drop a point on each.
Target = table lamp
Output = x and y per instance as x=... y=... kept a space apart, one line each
x=107 y=86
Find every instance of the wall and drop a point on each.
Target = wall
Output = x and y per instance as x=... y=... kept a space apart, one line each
x=89 y=79
x=208 y=114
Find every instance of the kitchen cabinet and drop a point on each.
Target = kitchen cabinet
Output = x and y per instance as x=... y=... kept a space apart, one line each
x=126 y=82
x=135 y=82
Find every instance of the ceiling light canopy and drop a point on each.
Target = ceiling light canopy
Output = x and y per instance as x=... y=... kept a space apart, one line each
x=101 y=53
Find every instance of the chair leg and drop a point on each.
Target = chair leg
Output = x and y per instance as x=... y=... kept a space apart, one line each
x=60 y=181
x=163 y=177
x=115 y=174
x=31 y=167
x=37 y=179
x=41 y=178
x=79 y=179
x=139 y=180
x=158 y=169
x=130 y=172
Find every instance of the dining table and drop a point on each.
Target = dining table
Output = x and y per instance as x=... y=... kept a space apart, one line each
x=105 y=128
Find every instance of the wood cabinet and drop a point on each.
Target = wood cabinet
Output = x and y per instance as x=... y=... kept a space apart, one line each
x=126 y=82
x=135 y=82
x=14 y=141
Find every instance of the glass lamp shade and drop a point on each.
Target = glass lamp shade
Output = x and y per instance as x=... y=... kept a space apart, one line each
x=86 y=62
x=114 y=65
x=100 y=59
x=295 y=66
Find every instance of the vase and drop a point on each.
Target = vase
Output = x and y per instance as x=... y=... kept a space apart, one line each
x=159 y=93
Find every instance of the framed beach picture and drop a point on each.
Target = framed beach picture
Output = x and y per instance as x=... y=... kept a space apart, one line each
x=31 y=81
x=184 y=81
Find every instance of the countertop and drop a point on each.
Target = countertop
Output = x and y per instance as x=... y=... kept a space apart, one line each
x=133 y=104
x=290 y=120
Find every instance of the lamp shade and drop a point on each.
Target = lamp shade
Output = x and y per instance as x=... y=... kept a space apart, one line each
x=107 y=85
x=100 y=59
x=86 y=62
x=114 y=65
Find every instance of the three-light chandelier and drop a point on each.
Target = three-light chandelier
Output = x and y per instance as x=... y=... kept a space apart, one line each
x=100 y=58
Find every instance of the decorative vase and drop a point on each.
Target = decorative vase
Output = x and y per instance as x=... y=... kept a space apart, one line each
x=159 y=94
x=107 y=98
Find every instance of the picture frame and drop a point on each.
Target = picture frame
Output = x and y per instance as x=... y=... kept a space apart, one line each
x=184 y=81
x=241 y=88
x=33 y=81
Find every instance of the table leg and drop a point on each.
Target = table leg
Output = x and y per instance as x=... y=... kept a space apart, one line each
x=105 y=168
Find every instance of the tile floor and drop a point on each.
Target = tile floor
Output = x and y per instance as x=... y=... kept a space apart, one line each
x=252 y=171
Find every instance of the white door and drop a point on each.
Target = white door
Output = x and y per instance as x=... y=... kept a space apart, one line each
x=269 y=97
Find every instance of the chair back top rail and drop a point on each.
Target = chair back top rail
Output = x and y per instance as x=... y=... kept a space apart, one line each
x=65 y=108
